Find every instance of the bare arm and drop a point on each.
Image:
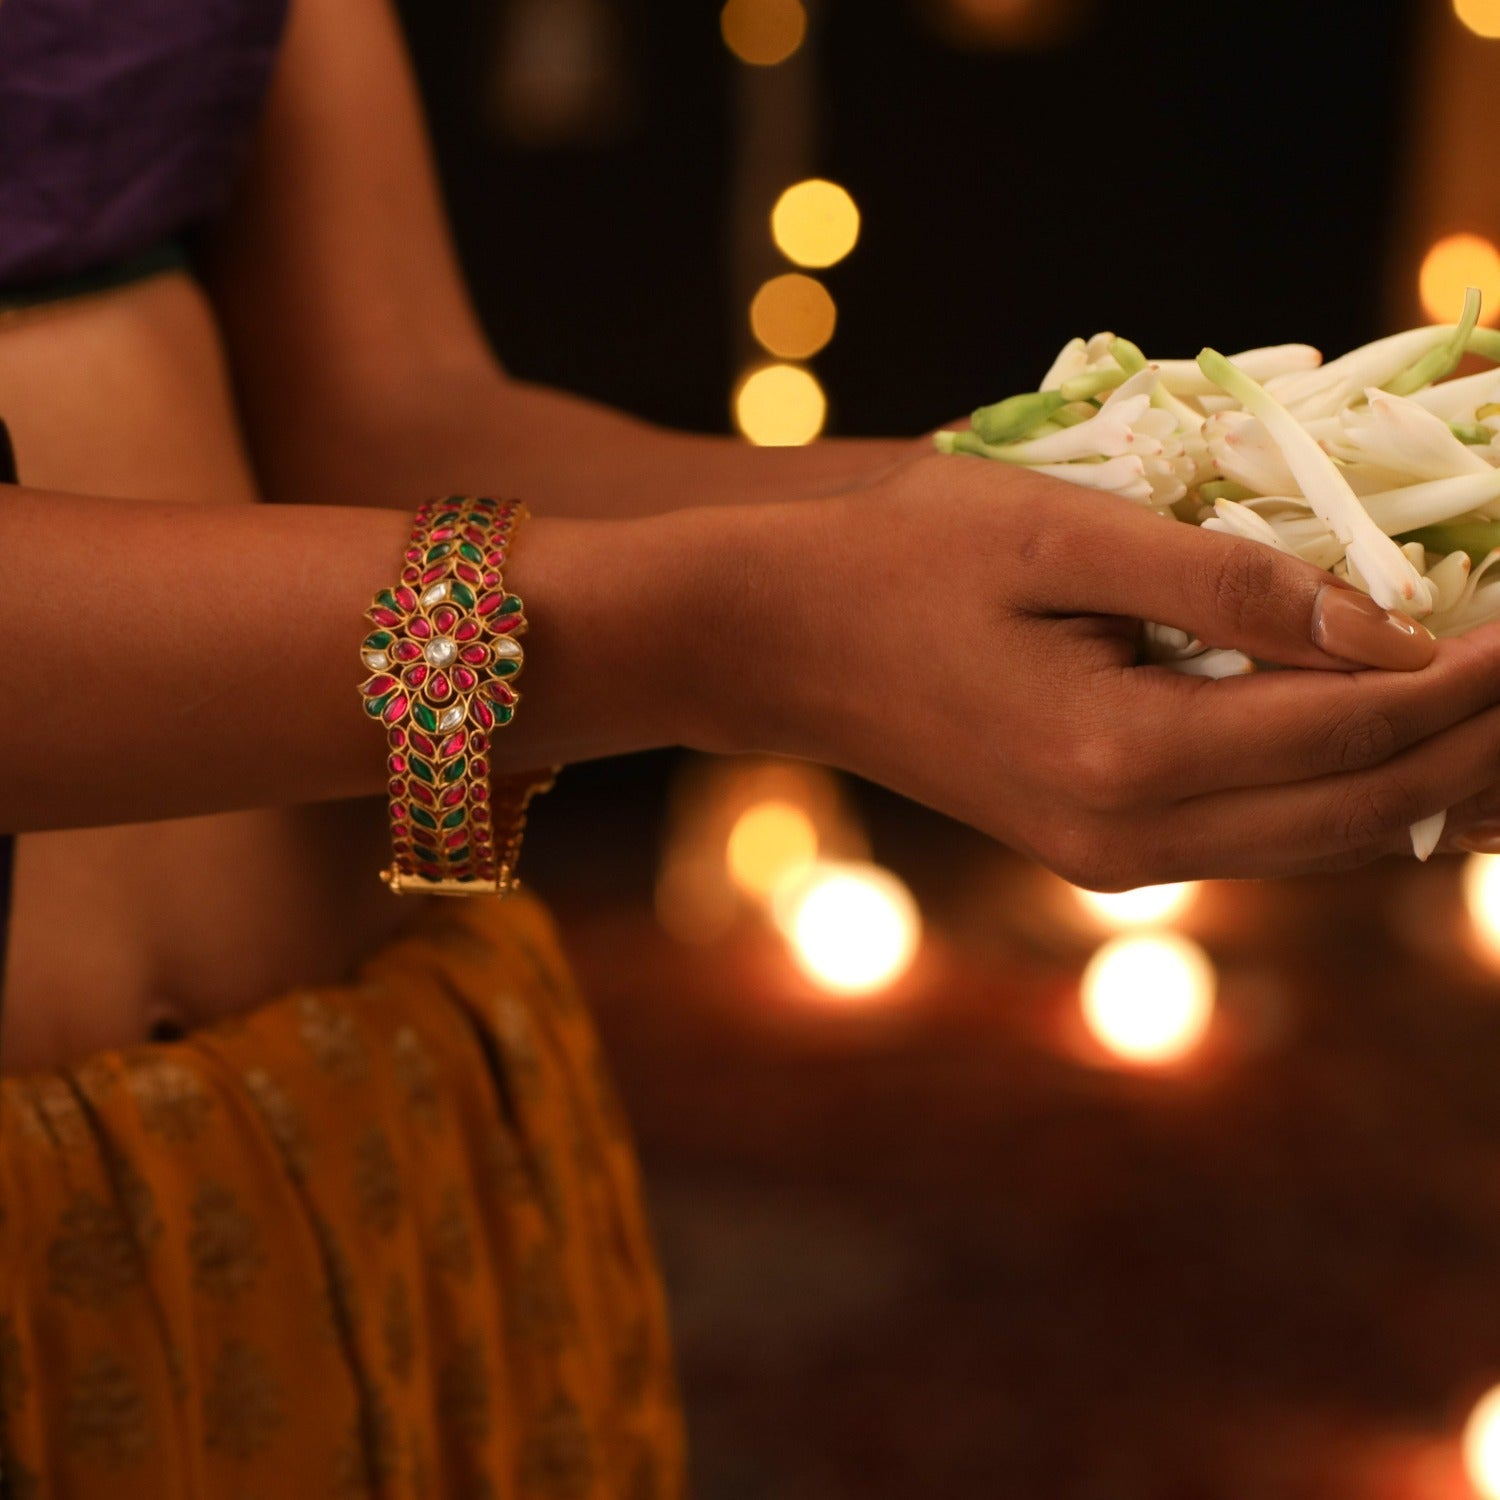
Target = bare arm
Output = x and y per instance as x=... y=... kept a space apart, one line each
x=363 y=372
x=200 y=658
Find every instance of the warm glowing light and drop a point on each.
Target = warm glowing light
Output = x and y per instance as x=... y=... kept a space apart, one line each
x=1145 y=906
x=769 y=842
x=853 y=928
x=793 y=316
x=1482 y=898
x=1455 y=263
x=1149 y=998
x=1482 y=17
x=1482 y=1446
x=780 y=406
x=815 y=223
x=763 y=32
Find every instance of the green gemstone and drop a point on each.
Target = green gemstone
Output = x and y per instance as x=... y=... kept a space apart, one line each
x=507 y=668
x=376 y=706
x=454 y=818
x=470 y=551
x=504 y=715
x=454 y=771
x=459 y=855
x=379 y=640
x=435 y=554
x=463 y=594
x=387 y=598
x=423 y=818
x=511 y=605
x=421 y=770
x=426 y=717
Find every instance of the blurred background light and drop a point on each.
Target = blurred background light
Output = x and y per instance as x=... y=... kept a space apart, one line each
x=1453 y=264
x=1482 y=17
x=780 y=406
x=815 y=223
x=793 y=316
x=1145 y=906
x=1149 y=998
x=1481 y=1446
x=763 y=32
x=1481 y=883
x=770 y=841
x=853 y=928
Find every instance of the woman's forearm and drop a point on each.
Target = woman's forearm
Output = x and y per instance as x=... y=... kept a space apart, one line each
x=473 y=431
x=167 y=660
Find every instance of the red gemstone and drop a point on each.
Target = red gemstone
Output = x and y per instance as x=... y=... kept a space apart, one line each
x=492 y=580
x=406 y=651
x=435 y=572
x=412 y=554
x=405 y=598
x=452 y=745
x=398 y=812
x=420 y=628
x=482 y=713
x=489 y=603
x=494 y=557
x=457 y=839
x=466 y=631
x=410 y=574
x=378 y=685
x=396 y=708
x=423 y=744
x=467 y=571
x=397 y=762
x=477 y=741
x=479 y=765
x=476 y=656
x=481 y=792
x=383 y=616
x=499 y=692
x=423 y=794
x=398 y=738
x=504 y=625
x=454 y=795
x=438 y=689
x=396 y=786
x=445 y=618
x=441 y=534
x=464 y=678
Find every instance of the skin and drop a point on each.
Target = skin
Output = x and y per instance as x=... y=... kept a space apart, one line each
x=219 y=480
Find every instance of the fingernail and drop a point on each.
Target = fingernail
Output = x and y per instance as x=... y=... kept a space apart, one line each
x=1481 y=838
x=1352 y=625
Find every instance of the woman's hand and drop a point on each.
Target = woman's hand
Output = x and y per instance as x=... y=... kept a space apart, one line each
x=963 y=633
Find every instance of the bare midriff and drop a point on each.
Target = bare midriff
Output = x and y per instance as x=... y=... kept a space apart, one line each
x=119 y=932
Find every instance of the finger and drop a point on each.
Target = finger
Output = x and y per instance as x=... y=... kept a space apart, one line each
x=1260 y=832
x=1270 y=728
x=1087 y=552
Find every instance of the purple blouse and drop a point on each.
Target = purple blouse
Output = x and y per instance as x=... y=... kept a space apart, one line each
x=122 y=123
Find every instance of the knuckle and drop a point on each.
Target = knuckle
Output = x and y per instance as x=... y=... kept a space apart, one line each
x=1243 y=579
x=1357 y=741
x=1090 y=855
x=1370 y=814
x=1102 y=769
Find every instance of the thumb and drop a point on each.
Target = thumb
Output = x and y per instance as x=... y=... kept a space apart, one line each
x=1230 y=591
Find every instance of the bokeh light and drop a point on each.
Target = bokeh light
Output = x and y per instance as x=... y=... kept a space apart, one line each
x=1481 y=882
x=780 y=406
x=1149 y=998
x=1482 y=17
x=853 y=928
x=1145 y=906
x=769 y=841
x=793 y=316
x=815 y=223
x=1453 y=264
x=1482 y=1446
x=763 y=32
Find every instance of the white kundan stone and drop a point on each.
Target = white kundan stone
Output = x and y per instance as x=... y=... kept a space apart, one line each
x=507 y=646
x=377 y=661
x=450 y=717
x=436 y=592
x=441 y=651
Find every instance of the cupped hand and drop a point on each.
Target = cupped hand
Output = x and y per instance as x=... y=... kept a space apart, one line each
x=966 y=634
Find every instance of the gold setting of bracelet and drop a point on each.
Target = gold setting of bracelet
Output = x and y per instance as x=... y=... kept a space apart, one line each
x=443 y=658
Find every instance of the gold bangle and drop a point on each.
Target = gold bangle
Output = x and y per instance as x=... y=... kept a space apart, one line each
x=444 y=657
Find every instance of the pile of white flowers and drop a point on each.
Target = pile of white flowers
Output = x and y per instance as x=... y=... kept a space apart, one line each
x=1376 y=466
